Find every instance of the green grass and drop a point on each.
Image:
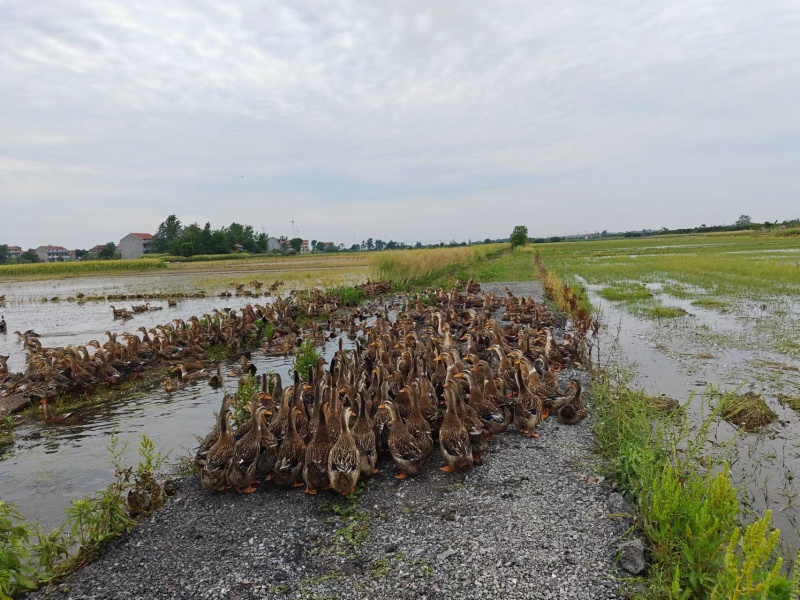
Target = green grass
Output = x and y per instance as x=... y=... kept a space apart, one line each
x=205 y=257
x=662 y=312
x=711 y=303
x=748 y=410
x=688 y=514
x=627 y=292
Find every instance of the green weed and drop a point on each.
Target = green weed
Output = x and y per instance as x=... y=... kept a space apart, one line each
x=748 y=411
x=304 y=357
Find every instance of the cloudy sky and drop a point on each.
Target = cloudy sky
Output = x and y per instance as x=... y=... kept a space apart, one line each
x=404 y=120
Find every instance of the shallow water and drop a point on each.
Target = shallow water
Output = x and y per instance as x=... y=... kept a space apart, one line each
x=47 y=466
x=674 y=360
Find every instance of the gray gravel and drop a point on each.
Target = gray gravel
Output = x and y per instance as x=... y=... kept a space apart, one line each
x=531 y=522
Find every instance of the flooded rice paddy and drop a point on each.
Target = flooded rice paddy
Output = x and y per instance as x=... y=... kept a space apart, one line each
x=738 y=345
x=47 y=466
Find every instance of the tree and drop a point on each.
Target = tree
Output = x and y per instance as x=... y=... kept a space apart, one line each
x=296 y=244
x=519 y=237
x=744 y=220
x=418 y=245
x=319 y=246
x=107 y=253
x=4 y=255
x=29 y=256
x=166 y=234
x=355 y=247
x=370 y=244
x=380 y=244
x=313 y=244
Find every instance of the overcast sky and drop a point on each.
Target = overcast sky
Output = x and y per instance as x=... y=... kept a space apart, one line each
x=396 y=120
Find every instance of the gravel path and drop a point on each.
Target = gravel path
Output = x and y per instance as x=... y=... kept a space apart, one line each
x=530 y=522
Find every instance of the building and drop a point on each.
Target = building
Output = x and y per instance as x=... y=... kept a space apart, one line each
x=304 y=248
x=14 y=252
x=134 y=245
x=52 y=253
x=273 y=243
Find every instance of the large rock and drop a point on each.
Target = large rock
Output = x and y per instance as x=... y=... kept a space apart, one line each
x=13 y=404
x=631 y=556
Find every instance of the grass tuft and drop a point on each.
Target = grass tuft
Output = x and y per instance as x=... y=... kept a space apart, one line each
x=748 y=411
x=663 y=312
x=629 y=292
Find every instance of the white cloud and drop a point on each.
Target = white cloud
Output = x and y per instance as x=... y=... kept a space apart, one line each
x=364 y=117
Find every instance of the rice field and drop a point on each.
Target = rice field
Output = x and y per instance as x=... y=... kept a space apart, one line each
x=77 y=269
x=709 y=316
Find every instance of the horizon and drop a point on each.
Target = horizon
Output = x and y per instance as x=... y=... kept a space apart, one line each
x=421 y=122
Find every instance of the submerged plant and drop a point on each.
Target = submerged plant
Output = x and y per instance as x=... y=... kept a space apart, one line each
x=748 y=411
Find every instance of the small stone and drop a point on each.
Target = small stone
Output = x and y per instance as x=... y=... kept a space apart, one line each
x=631 y=556
x=616 y=504
x=445 y=555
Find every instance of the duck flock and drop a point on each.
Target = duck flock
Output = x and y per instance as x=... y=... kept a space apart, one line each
x=452 y=369
x=181 y=346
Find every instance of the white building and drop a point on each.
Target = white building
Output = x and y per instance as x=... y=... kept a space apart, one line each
x=134 y=245
x=52 y=253
x=274 y=243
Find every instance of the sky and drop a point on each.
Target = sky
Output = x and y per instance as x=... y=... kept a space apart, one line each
x=412 y=121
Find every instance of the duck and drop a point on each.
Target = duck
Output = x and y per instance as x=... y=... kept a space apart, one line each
x=171 y=385
x=291 y=455
x=343 y=460
x=64 y=419
x=490 y=414
x=416 y=423
x=454 y=442
x=212 y=436
x=572 y=410
x=315 y=467
x=364 y=434
x=405 y=452
x=215 y=380
x=220 y=455
x=242 y=469
x=528 y=410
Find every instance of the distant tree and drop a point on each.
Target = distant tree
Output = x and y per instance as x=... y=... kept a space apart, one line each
x=370 y=244
x=380 y=244
x=29 y=256
x=331 y=248
x=296 y=244
x=355 y=247
x=391 y=245
x=487 y=241
x=108 y=251
x=320 y=247
x=81 y=254
x=4 y=254
x=166 y=234
x=744 y=220
x=418 y=245
x=313 y=244
x=519 y=237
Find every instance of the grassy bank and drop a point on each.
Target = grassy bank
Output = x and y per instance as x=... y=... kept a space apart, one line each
x=686 y=503
x=76 y=269
x=439 y=266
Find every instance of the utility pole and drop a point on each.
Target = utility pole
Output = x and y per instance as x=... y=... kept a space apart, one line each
x=294 y=233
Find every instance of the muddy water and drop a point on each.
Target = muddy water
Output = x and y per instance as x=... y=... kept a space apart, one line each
x=673 y=358
x=47 y=466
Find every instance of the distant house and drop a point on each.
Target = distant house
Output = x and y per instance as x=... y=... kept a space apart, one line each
x=52 y=253
x=274 y=243
x=238 y=248
x=134 y=245
x=14 y=251
x=304 y=248
x=97 y=248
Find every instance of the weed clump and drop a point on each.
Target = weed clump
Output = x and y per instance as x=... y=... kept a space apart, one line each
x=664 y=312
x=748 y=411
x=630 y=292
x=305 y=357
